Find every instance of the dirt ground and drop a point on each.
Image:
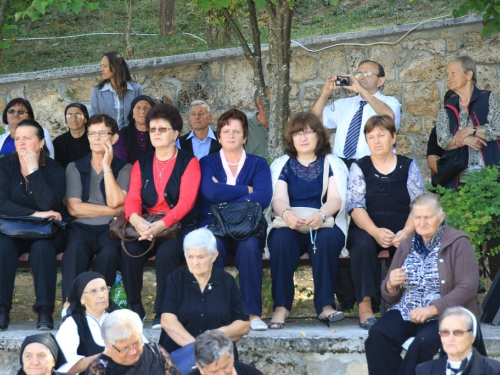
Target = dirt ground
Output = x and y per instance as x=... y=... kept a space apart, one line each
x=24 y=295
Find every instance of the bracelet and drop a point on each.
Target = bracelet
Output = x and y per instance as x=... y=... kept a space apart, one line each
x=107 y=171
x=286 y=209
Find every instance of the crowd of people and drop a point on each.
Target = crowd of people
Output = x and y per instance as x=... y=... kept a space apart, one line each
x=183 y=197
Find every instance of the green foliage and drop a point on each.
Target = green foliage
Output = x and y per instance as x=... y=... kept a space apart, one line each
x=491 y=16
x=474 y=208
x=38 y=8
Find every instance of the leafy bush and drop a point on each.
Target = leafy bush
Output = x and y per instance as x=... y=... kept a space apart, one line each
x=474 y=208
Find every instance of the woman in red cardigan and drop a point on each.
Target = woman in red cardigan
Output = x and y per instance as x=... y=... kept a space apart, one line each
x=166 y=180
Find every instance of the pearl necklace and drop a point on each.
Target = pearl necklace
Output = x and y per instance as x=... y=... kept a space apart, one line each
x=233 y=164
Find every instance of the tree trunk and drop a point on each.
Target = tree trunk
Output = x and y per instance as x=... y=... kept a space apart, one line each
x=278 y=71
x=167 y=20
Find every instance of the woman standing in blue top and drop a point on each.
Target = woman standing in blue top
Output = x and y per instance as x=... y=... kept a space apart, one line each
x=114 y=94
x=232 y=175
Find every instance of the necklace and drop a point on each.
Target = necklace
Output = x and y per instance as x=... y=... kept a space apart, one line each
x=463 y=104
x=165 y=163
x=313 y=241
x=233 y=164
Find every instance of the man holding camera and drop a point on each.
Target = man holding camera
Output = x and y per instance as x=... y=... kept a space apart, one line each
x=349 y=115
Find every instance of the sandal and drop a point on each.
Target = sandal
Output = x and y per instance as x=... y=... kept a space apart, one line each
x=335 y=316
x=258 y=325
x=276 y=325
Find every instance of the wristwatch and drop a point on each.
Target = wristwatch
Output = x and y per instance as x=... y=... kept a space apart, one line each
x=323 y=216
x=474 y=130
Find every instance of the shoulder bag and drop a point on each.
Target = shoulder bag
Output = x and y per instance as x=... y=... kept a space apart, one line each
x=30 y=227
x=238 y=220
x=121 y=229
x=304 y=212
x=450 y=165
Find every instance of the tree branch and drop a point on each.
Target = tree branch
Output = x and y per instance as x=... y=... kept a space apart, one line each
x=246 y=49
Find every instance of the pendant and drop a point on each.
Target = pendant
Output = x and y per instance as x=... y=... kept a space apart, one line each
x=314 y=248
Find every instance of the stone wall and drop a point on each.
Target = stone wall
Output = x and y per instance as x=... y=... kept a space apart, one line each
x=414 y=67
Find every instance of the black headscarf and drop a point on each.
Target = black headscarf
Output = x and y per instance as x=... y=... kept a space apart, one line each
x=50 y=342
x=82 y=107
x=77 y=289
x=130 y=117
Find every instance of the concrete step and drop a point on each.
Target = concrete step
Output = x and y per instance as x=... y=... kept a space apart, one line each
x=304 y=346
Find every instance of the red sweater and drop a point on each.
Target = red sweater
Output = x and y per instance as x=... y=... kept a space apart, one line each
x=190 y=183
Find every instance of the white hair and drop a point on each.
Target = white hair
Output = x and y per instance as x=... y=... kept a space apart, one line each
x=198 y=102
x=200 y=238
x=120 y=325
x=427 y=198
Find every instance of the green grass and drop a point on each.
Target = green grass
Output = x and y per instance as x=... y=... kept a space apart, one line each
x=312 y=18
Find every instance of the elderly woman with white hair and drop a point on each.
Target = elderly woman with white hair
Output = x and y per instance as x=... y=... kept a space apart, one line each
x=431 y=270
x=125 y=351
x=213 y=351
x=458 y=329
x=200 y=297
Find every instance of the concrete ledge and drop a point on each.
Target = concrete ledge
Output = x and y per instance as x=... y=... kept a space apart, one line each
x=212 y=55
x=304 y=346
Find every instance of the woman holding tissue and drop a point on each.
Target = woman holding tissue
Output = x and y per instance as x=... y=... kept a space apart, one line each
x=433 y=269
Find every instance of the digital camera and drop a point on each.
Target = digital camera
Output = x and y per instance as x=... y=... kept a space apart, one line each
x=343 y=81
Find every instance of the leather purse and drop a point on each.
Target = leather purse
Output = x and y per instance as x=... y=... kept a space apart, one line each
x=30 y=227
x=304 y=212
x=450 y=165
x=121 y=229
x=238 y=220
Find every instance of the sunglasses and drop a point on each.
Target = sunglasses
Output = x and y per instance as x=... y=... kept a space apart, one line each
x=455 y=332
x=161 y=130
x=20 y=113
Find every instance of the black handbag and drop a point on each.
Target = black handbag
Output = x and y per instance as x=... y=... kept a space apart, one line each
x=30 y=227
x=238 y=220
x=450 y=165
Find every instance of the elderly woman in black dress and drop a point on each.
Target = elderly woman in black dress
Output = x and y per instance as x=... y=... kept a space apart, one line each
x=200 y=297
x=379 y=192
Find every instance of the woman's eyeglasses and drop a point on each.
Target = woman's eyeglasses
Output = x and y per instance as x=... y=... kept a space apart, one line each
x=100 y=134
x=76 y=115
x=95 y=292
x=20 y=113
x=161 y=130
x=127 y=348
x=456 y=332
x=303 y=133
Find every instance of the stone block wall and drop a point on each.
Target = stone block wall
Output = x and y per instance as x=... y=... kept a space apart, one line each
x=415 y=70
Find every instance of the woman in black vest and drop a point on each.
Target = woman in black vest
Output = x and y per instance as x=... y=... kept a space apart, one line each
x=167 y=181
x=80 y=335
x=134 y=140
x=470 y=120
x=74 y=144
x=31 y=184
x=380 y=189
x=96 y=187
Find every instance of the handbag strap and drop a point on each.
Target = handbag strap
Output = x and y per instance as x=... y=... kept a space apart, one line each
x=326 y=172
x=137 y=256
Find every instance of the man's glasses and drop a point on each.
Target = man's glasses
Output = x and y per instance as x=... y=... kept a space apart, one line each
x=456 y=332
x=366 y=74
x=161 y=130
x=20 y=113
x=127 y=348
x=100 y=134
x=95 y=292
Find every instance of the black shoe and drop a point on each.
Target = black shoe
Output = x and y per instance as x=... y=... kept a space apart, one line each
x=157 y=322
x=375 y=308
x=345 y=306
x=4 y=318
x=45 y=321
x=139 y=310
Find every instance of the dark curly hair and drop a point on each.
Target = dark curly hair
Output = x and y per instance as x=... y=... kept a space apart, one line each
x=300 y=122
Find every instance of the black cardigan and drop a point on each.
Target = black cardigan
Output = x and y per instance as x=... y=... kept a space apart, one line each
x=45 y=190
